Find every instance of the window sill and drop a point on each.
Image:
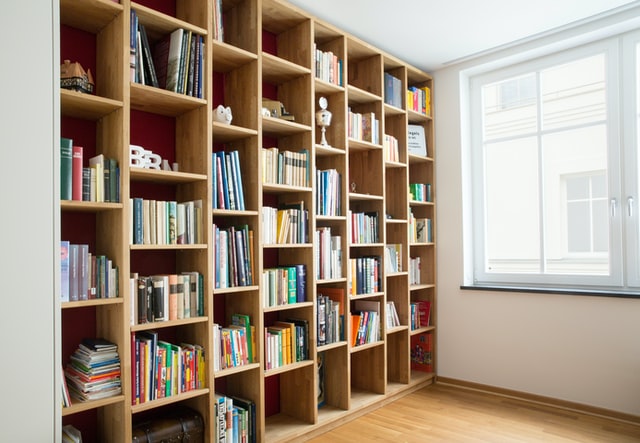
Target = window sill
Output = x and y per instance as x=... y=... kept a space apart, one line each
x=560 y=291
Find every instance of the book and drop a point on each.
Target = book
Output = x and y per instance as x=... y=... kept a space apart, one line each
x=416 y=140
x=244 y=321
x=76 y=173
x=66 y=168
x=422 y=352
x=173 y=60
x=64 y=270
x=149 y=67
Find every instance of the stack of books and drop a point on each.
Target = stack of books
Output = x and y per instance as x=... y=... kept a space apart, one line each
x=94 y=370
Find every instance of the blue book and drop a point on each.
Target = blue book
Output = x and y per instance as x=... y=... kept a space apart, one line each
x=138 y=237
x=301 y=283
x=225 y=184
x=214 y=179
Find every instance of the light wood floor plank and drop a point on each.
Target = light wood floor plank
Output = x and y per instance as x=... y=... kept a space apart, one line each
x=441 y=413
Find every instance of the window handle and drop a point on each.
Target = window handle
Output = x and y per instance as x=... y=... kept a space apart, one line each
x=630 y=206
x=613 y=203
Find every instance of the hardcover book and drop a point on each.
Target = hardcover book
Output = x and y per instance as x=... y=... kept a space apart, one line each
x=416 y=140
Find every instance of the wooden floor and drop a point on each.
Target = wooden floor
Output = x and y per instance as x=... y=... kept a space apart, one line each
x=441 y=413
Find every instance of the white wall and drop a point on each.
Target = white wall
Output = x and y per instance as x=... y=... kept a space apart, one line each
x=575 y=348
x=27 y=319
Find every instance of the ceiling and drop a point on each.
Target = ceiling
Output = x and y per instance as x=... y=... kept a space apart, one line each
x=430 y=34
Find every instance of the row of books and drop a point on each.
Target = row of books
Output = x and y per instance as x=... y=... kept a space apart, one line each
x=420 y=230
x=364 y=227
x=234 y=419
x=390 y=148
x=393 y=320
x=365 y=275
x=414 y=271
x=330 y=309
x=419 y=99
x=218 y=21
x=287 y=224
x=166 y=297
x=228 y=192
x=161 y=369
x=286 y=342
x=420 y=192
x=234 y=345
x=99 y=182
x=175 y=62
x=328 y=67
x=392 y=90
x=156 y=222
x=328 y=254
x=422 y=352
x=286 y=167
x=365 y=322
x=365 y=127
x=393 y=258
x=420 y=314
x=328 y=192
x=284 y=285
x=93 y=371
x=234 y=261
x=85 y=276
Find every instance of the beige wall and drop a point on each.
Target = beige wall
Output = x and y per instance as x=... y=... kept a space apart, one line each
x=575 y=348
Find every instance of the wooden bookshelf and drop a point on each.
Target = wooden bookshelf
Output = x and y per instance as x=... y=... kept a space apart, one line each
x=267 y=52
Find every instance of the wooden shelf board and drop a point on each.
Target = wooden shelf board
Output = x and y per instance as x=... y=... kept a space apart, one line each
x=88 y=15
x=422 y=330
x=233 y=213
x=78 y=406
x=334 y=345
x=160 y=176
x=416 y=244
x=163 y=247
x=322 y=151
x=396 y=329
x=287 y=245
x=168 y=400
x=359 y=96
x=280 y=128
x=278 y=188
x=417 y=117
x=227 y=57
x=365 y=296
x=394 y=165
x=419 y=159
x=235 y=289
x=236 y=370
x=421 y=286
x=92 y=302
x=420 y=203
x=323 y=87
x=366 y=346
x=158 y=24
x=82 y=206
x=287 y=368
x=395 y=221
x=287 y=307
x=362 y=145
x=397 y=274
x=278 y=17
x=281 y=427
x=354 y=196
x=276 y=70
x=159 y=101
x=86 y=106
x=168 y=323
x=390 y=110
x=223 y=133
x=329 y=281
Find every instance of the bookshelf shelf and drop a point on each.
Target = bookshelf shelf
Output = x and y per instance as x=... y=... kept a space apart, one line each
x=262 y=49
x=86 y=106
x=154 y=404
x=77 y=406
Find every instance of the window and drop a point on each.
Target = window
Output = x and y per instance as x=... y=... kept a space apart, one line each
x=554 y=177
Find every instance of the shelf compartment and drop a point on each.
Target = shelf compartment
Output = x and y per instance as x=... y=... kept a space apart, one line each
x=153 y=404
x=235 y=370
x=277 y=70
x=227 y=57
x=86 y=106
x=78 y=406
x=160 y=176
x=88 y=15
x=278 y=127
x=359 y=96
x=223 y=133
x=160 y=101
x=158 y=24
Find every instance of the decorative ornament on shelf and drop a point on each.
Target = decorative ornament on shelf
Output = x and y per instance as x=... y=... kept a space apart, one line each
x=140 y=157
x=74 y=77
x=323 y=119
x=222 y=114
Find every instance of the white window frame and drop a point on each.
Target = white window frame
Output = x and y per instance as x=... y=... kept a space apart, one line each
x=624 y=276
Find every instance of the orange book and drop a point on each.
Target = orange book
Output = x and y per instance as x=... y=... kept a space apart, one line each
x=355 y=326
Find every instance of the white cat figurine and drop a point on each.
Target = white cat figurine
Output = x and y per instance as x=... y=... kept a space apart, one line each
x=222 y=114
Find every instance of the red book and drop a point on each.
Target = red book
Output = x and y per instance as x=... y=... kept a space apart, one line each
x=76 y=174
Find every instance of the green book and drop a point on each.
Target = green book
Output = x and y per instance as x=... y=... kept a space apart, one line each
x=292 y=280
x=244 y=321
x=66 y=153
